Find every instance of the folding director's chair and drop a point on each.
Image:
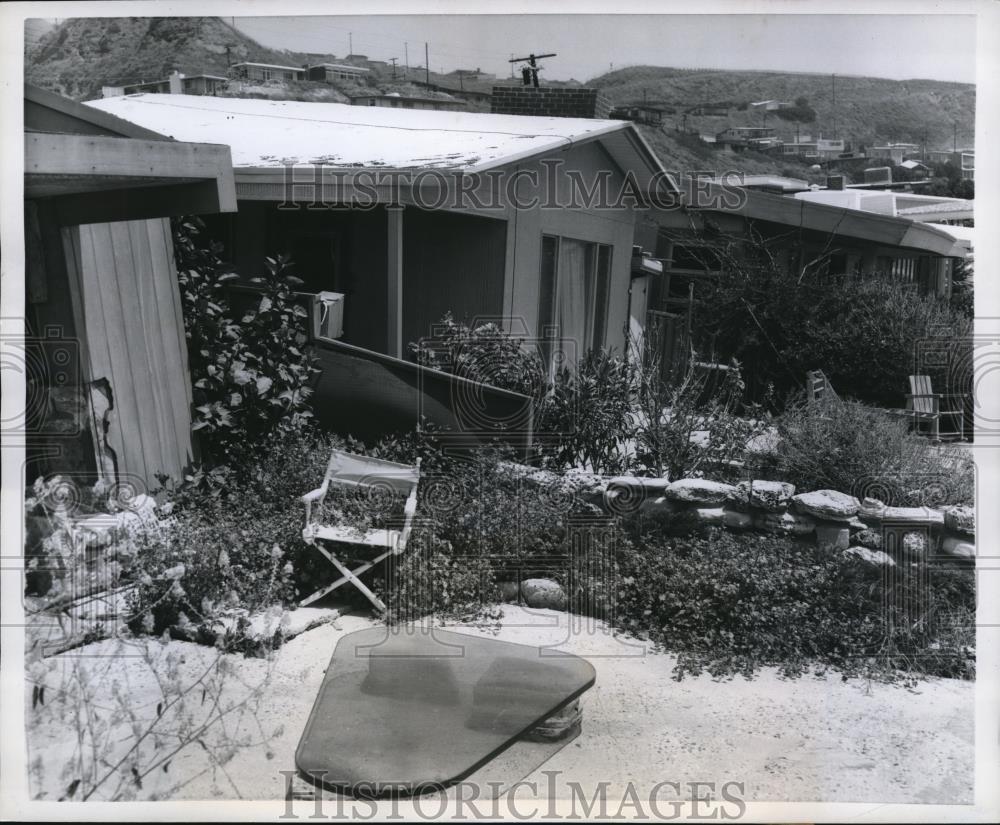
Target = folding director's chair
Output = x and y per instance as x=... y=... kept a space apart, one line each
x=360 y=471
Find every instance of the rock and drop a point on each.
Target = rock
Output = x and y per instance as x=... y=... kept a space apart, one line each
x=710 y=516
x=834 y=536
x=876 y=557
x=542 y=593
x=827 y=504
x=766 y=443
x=857 y=524
x=789 y=524
x=660 y=506
x=638 y=485
x=871 y=508
x=914 y=545
x=772 y=496
x=961 y=519
x=735 y=520
x=869 y=538
x=699 y=491
x=509 y=591
x=906 y=516
x=957 y=548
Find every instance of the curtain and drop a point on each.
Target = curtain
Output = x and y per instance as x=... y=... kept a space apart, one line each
x=574 y=294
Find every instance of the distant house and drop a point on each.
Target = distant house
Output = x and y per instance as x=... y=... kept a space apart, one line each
x=802 y=146
x=747 y=137
x=558 y=276
x=646 y=113
x=894 y=152
x=176 y=84
x=471 y=74
x=101 y=290
x=771 y=105
x=264 y=72
x=331 y=72
x=394 y=100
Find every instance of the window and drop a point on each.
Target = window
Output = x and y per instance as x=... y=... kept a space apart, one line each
x=573 y=294
x=265 y=74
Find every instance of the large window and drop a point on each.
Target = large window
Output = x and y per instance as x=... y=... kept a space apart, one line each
x=573 y=296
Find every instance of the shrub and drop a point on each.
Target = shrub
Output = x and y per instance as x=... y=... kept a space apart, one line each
x=730 y=604
x=253 y=374
x=586 y=419
x=853 y=448
x=862 y=331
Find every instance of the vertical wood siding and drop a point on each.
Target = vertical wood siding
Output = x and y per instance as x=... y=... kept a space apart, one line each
x=129 y=303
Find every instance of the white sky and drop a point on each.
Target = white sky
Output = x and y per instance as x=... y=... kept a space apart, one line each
x=899 y=46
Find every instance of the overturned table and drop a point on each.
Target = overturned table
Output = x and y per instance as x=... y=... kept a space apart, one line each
x=413 y=709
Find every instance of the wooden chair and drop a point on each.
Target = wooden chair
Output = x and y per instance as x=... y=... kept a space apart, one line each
x=360 y=471
x=923 y=405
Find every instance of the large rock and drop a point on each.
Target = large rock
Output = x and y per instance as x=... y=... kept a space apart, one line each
x=833 y=535
x=904 y=516
x=827 y=504
x=542 y=593
x=787 y=524
x=772 y=496
x=736 y=520
x=961 y=519
x=699 y=491
x=509 y=591
x=710 y=516
x=876 y=557
x=957 y=548
x=639 y=485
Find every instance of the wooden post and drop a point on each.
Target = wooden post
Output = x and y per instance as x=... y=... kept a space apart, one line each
x=394 y=286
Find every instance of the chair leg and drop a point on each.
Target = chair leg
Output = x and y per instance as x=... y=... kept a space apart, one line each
x=349 y=575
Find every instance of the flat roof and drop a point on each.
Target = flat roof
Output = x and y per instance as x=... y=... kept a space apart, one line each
x=346 y=66
x=269 y=134
x=270 y=66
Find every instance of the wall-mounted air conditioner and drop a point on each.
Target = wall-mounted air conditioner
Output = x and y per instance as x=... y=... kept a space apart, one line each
x=327 y=315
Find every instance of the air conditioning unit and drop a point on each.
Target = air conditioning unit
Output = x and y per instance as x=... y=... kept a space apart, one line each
x=327 y=315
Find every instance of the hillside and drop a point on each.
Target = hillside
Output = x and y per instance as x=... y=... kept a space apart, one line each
x=81 y=55
x=868 y=109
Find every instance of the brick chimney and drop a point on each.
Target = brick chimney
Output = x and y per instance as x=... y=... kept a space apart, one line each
x=549 y=101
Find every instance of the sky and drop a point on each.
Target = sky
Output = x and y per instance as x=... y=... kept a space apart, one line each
x=899 y=46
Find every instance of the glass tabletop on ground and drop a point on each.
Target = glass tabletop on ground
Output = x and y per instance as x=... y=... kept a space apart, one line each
x=411 y=710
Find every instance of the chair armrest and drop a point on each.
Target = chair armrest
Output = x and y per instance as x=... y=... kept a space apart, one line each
x=312 y=496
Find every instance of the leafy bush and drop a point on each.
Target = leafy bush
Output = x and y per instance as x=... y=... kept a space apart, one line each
x=730 y=604
x=253 y=374
x=862 y=331
x=690 y=427
x=586 y=419
x=853 y=448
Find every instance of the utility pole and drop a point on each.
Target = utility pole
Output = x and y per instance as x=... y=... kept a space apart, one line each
x=954 y=138
x=512 y=65
x=427 y=65
x=406 y=50
x=350 y=42
x=393 y=61
x=529 y=73
x=833 y=86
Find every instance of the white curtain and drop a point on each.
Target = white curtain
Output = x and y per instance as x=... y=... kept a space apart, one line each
x=574 y=294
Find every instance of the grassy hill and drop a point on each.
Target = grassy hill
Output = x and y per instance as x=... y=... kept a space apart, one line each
x=868 y=109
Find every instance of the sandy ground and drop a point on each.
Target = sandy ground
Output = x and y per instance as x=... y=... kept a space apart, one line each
x=808 y=739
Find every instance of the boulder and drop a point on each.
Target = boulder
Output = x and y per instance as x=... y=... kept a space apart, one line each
x=788 y=524
x=868 y=538
x=905 y=516
x=638 y=485
x=767 y=443
x=958 y=548
x=710 y=516
x=660 y=506
x=509 y=591
x=961 y=519
x=876 y=557
x=772 y=496
x=833 y=535
x=830 y=505
x=699 y=491
x=543 y=593
x=735 y=520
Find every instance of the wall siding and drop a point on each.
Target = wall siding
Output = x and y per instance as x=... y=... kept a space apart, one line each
x=126 y=285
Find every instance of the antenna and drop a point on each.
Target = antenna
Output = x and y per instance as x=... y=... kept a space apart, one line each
x=529 y=73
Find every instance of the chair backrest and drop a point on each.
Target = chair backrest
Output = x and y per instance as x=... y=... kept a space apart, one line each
x=818 y=387
x=920 y=388
x=348 y=468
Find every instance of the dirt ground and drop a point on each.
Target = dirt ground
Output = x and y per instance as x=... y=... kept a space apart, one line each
x=807 y=739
